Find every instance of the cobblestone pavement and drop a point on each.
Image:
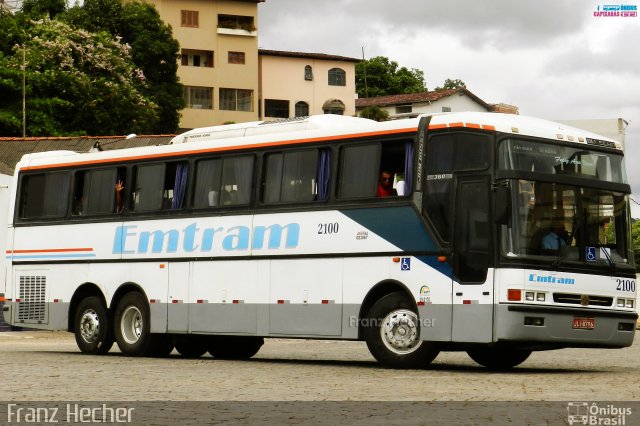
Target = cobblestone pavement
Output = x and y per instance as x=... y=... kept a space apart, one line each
x=47 y=366
x=313 y=382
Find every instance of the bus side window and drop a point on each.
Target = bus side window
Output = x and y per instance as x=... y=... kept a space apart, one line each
x=148 y=191
x=237 y=177
x=95 y=192
x=291 y=176
x=44 y=195
x=447 y=154
x=359 y=171
x=223 y=182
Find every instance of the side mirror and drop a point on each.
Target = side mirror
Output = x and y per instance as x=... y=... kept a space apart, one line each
x=502 y=205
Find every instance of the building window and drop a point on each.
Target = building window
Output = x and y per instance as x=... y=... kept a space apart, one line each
x=236 y=58
x=302 y=109
x=198 y=97
x=308 y=73
x=196 y=58
x=337 y=77
x=333 y=106
x=189 y=18
x=236 y=22
x=236 y=100
x=446 y=109
x=276 y=108
x=404 y=109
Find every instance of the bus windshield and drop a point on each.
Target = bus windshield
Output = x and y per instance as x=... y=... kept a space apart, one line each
x=546 y=158
x=568 y=223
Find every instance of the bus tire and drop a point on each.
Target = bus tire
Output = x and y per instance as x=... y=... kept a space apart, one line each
x=132 y=326
x=93 y=332
x=161 y=346
x=191 y=346
x=235 y=347
x=392 y=333
x=498 y=358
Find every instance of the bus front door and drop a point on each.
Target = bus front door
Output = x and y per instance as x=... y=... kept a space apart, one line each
x=472 y=298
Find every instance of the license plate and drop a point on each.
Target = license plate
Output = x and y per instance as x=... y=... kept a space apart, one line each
x=584 y=323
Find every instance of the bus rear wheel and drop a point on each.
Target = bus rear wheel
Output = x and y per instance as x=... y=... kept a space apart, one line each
x=92 y=330
x=498 y=358
x=234 y=347
x=191 y=346
x=392 y=333
x=132 y=327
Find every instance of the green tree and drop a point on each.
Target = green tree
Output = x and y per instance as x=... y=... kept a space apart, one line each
x=153 y=49
x=78 y=82
x=43 y=8
x=374 y=113
x=452 y=84
x=385 y=77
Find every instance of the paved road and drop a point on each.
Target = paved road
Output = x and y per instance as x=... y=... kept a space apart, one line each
x=47 y=366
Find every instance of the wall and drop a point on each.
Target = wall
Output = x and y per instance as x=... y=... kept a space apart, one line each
x=283 y=78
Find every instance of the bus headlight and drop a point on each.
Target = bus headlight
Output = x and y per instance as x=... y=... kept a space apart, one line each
x=529 y=296
x=630 y=303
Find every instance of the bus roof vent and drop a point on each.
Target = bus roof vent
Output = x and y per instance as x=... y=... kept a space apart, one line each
x=256 y=128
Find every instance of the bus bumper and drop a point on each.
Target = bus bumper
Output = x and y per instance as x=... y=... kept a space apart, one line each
x=553 y=327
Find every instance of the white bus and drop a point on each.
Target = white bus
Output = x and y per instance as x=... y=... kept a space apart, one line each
x=493 y=234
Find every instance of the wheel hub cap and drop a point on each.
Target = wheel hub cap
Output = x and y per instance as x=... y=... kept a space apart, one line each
x=90 y=326
x=131 y=324
x=400 y=331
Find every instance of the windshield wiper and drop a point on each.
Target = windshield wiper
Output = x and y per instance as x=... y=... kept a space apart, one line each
x=563 y=252
x=603 y=249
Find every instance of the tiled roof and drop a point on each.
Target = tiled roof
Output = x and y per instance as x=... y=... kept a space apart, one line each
x=12 y=149
x=265 y=52
x=413 y=98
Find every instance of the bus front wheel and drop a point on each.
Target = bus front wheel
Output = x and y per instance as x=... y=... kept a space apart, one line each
x=92 y=330
x=498 y=358
x=392 y=333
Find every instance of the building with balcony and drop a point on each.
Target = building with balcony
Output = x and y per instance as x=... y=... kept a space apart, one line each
x=218 y=63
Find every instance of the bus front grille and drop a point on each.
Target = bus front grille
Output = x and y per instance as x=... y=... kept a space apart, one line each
x=582 y=299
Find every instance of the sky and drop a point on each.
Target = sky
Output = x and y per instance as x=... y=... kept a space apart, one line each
x=553 y=59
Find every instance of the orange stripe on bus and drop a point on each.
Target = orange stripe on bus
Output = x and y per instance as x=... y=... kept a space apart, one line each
x=222 y=149
x=61 y=250
x=437 y=126
x=460 y=124
x=2 y=299
x=473 y=126
x=487 y=127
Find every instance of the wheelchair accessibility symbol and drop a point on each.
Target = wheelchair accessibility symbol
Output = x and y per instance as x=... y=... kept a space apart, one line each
x=590 y=254
x=405 y=264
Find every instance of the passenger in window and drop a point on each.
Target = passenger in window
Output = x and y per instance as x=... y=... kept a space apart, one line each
x=119 y=196
x=385 y=185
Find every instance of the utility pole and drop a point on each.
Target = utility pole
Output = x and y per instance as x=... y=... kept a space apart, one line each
x=366 y=90
x=24 y=91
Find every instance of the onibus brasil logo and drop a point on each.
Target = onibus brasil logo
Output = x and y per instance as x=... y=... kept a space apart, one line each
x=583 y=413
